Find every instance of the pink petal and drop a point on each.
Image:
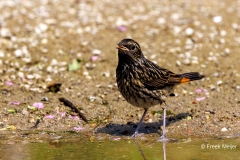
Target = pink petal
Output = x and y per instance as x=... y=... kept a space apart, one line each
x=15 y=103
x=77 y=128
x=94 y=58
x=50 y=116
x=9 y=83
x=200 y=98
x=39 y=105
x=198 y=90
x=122 y=28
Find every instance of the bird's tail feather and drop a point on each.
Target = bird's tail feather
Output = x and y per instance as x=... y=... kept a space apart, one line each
x=191 y=76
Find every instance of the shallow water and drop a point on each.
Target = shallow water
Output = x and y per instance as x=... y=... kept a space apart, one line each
x=116 y=148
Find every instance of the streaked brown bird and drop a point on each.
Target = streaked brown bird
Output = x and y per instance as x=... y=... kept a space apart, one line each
x=143 y=83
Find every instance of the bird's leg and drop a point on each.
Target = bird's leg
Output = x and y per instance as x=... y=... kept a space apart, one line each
x=164 y=123
x=163 y=137
x=140 y=122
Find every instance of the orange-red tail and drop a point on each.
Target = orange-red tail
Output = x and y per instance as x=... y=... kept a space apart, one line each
x=191 y=76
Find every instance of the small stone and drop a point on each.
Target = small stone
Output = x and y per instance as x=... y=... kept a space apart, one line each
x=43 y=27
x=216 y=74
x=189 y=31
x=224 y=129
x=161 y=21
x=223 y=33
x=18 y=53
x=54 y=62
x=184 y=91
x=5 y=32
x=96 y=52
x=1 y=54
x=187 y=62
x=106 y=74
x=219 y=82
x=45 y=99
x=20 y=74
x=30 y=76
x=24 y=112
x=212 y=87
x=235 y=26
x=217 y=19
x=207 y=117
x=227 y=50
x=91 y=98
x=178 y=63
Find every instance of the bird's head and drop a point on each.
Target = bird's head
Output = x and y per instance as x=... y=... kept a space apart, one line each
x=128 y=49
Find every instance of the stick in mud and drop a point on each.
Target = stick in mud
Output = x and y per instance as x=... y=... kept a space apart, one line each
x=36 y=124
x=73 y=107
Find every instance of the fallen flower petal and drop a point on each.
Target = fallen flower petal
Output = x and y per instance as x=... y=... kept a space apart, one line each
x=122 y=28
x=200 y=98
x=39 y=105
x=15 y=103
x=77 y=128
x=198 y=90
x=50 y=116
x=9 y=83
x=94 y=58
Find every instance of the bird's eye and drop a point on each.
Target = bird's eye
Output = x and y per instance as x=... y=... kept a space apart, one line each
x=132 y=47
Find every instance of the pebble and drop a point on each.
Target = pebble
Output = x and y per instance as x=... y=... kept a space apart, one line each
x=45 y=99
x=216 y=74
x=178 y=63
x=1 y=54
x=187 y=62
x=106 y=74
x=92 y=98
x=18 y=53
x=24 y=112
x=5 y=32
x=161 y=21
x=217 y=19
x=189 y=31
x=219 y=82
x=212 y=87
x=224 y=129
x=96 y=52
x=227 y=50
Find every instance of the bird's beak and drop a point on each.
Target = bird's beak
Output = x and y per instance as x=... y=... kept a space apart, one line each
x=122 y=48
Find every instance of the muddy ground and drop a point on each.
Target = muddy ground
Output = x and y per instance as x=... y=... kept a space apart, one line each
x=46 y=44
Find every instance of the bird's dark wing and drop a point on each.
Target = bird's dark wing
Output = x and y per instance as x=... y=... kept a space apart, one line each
x=158 y=78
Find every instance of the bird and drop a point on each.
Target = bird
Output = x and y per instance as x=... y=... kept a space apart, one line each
x=143 y=83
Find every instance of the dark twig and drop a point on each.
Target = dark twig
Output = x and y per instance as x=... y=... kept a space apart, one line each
x=36 y=124
x=73 y=107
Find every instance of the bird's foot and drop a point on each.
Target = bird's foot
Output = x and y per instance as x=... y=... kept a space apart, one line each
x=164 y=139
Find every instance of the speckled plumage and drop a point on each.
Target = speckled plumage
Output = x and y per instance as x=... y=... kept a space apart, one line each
x=143 y=83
